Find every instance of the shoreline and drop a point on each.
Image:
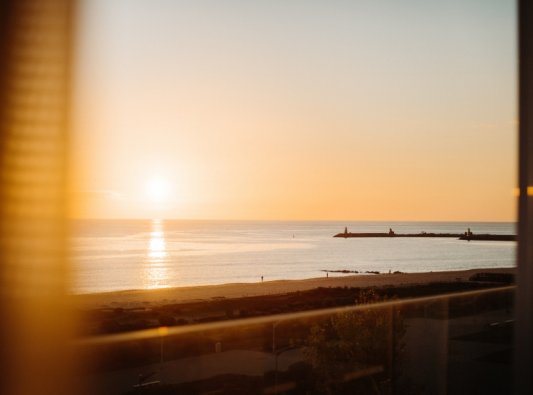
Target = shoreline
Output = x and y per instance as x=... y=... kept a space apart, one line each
x=202 y=293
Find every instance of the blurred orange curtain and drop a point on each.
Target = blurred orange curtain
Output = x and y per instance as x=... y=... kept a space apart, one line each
x=35 y=322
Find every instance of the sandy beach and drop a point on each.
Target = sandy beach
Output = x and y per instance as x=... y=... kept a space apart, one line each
x=136 y=298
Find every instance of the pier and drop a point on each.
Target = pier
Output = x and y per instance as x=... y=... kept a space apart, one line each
x=468 y=235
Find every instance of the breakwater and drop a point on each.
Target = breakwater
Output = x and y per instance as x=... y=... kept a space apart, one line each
x=468 y=236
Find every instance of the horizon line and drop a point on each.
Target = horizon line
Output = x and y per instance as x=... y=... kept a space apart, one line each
x=278 y=220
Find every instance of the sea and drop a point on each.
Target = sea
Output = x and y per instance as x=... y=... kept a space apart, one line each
x=113 y=255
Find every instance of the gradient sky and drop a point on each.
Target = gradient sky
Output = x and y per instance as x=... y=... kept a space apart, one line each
x=293 y=109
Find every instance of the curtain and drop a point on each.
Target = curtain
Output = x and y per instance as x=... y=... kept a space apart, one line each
x=35 y=319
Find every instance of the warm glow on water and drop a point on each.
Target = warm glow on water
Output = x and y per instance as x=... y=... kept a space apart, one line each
x=111 y=255
x=155 y=273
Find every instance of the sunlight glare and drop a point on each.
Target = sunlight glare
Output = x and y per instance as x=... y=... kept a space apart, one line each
x=158 y=189
x=156 y=275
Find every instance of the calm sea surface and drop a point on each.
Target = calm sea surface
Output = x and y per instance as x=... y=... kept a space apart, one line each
x=113 y=255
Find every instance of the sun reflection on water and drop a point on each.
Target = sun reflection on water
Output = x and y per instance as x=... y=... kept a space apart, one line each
x=155 y=273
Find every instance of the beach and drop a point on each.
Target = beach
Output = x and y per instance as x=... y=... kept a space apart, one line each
x=209 y=354
x=163 y=296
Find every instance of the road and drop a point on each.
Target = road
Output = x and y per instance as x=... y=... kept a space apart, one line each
x=252 y=363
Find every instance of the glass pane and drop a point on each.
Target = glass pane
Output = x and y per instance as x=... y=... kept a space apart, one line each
x=447 y=344
x=295 y=197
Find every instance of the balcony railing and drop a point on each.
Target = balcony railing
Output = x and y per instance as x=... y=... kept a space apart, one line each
x=458 y=343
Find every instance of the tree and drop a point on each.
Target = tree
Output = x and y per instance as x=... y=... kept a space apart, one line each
x=351 y=343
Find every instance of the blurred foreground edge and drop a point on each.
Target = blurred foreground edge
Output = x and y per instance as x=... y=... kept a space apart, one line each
x=35 y=324
x=523 y=363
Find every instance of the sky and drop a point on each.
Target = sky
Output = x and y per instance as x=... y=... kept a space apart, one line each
x=295 y=110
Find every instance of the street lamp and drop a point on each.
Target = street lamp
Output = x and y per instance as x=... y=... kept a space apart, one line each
x=274 y=324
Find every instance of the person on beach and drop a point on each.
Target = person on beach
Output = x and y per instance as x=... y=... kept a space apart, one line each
x=261 y=278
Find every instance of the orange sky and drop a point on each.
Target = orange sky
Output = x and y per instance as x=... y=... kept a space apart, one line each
x=295 y=110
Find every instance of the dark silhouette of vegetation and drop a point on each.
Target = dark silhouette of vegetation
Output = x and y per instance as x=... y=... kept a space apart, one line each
x=101 y=321
x=504 y=278
x=353 y=351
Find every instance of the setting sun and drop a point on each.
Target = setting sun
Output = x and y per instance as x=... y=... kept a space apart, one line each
x=158 y=189
x=291 y=121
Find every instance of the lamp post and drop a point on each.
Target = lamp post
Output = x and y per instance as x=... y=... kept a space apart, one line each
x=162 y=332
x=274 y=324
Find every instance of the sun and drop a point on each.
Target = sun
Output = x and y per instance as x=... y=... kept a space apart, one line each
x=158 y=189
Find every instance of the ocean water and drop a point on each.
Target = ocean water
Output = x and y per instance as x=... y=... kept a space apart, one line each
x=110 y=255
